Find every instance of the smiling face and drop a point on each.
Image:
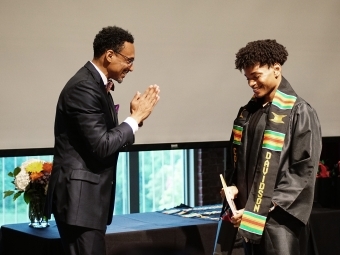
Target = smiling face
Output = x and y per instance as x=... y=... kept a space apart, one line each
x=120 y=63
x=263 y=80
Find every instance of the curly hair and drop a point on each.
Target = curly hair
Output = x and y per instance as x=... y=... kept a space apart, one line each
x=265 y=52
x=110 y=38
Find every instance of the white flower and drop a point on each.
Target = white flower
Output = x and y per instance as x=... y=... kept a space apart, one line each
x=22 y=180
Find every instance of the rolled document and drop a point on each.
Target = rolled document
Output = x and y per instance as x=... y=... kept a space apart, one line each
x=230 y=200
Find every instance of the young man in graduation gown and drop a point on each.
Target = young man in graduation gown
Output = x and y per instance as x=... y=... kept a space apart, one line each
x=276 y=145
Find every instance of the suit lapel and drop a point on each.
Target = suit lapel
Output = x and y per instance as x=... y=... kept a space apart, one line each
x=106 y=96
x=96 y=76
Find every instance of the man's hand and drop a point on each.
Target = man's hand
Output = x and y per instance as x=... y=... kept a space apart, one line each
x=233 y=191
x=142 y=105
x=236 y=219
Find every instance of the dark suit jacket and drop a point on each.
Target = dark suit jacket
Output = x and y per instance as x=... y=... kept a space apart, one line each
x=87 y=139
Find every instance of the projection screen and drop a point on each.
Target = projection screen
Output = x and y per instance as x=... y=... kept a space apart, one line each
x=187 y=47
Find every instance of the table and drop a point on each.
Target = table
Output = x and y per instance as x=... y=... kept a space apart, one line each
x=196 y=236
x=126 y=231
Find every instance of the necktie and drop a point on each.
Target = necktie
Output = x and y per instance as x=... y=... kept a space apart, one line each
x=110 y=85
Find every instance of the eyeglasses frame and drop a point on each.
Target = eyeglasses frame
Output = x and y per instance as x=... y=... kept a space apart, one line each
x=128 y=60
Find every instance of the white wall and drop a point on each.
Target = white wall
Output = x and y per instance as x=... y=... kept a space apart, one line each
x=186 y=46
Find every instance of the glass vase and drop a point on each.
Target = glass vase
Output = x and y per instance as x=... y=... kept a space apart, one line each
x=36 y=212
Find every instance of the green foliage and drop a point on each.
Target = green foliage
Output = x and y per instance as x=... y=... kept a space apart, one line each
x=16 y=171
x=28 y=196
x=8 y=193
x=16 y=195
x=11 y=192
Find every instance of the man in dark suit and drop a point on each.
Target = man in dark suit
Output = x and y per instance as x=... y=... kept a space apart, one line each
x=88 y=137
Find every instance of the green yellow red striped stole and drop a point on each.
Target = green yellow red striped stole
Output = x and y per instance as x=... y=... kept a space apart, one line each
x=253 y=222
x=237 y=132
x=273 y=140
x=260 y=196
x=283 y=101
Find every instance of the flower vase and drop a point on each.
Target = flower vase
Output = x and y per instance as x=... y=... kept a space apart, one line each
x=36 y=212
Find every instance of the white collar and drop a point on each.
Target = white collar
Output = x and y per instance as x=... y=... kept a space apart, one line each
x=104 y=78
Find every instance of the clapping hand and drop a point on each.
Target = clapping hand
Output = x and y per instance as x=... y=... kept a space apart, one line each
x=142 y=105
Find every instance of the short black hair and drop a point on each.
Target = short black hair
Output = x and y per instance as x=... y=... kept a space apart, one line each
x=110 y=38
x=265 y=52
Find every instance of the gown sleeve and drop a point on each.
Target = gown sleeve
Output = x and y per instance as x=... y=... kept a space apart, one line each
x=299 y=161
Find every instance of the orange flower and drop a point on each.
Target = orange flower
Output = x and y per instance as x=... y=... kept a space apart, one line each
x=35 y=176
x=47 y=167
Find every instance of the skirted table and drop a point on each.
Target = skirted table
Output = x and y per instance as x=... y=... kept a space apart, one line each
x=190 y=230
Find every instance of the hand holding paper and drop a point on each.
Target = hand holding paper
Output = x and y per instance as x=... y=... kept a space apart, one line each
x=229 y=197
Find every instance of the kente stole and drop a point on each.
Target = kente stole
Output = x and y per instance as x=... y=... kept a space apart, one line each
x=261 y=193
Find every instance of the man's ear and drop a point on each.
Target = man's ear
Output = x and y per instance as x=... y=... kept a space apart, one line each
x=277 y=70
x=109 y=54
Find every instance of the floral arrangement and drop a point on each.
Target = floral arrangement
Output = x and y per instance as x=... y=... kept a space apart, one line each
x=30 y=179
x=328 y=170
x=323 y=170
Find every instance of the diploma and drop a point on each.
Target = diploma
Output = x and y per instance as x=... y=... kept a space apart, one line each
x=228 y=196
